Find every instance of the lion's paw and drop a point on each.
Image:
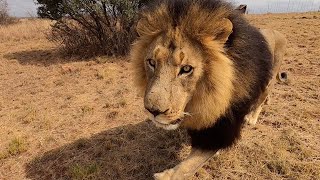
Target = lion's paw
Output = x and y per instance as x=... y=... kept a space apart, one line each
x=268 y=100
x=165 y=175
x=250 y=119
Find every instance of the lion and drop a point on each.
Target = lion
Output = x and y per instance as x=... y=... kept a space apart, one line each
x=201 y=66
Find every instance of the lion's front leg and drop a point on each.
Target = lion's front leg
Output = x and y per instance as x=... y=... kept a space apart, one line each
x=188 y=167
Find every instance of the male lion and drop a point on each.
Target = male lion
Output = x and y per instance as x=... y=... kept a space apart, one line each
x=203 y=67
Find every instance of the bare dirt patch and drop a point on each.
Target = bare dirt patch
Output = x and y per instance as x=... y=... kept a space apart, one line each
x=82 y=119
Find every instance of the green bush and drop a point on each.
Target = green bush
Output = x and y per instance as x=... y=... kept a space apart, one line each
x=93 y=27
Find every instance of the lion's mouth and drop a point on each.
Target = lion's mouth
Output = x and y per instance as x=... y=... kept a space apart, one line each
x=175 y=122
x=178 y=121
x=168 y=126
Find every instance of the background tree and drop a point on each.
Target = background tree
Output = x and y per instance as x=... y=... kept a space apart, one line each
x=92 y=27
x=4 y=16
x=52 y=9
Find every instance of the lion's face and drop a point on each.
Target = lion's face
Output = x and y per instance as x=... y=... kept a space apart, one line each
x=172 y=71
x=182 y=69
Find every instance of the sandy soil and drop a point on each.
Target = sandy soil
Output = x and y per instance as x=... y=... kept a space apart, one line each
x=82 y=119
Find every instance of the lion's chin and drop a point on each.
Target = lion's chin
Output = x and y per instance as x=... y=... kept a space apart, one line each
x=171 y=126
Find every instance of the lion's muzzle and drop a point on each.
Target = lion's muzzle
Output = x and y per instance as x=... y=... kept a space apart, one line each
x=156 y=112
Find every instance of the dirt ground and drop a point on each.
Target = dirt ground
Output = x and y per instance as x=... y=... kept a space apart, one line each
x=82 y=119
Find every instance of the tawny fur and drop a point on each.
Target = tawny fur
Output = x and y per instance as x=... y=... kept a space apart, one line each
x=212 y=30
x=218 y=87
x=231 y=78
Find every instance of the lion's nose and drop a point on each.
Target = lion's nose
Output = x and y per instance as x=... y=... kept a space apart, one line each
x=156 y=112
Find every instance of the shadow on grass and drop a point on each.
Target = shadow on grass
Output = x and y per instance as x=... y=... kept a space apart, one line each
x=127 y=152
x=37 y=57
x=44 y=57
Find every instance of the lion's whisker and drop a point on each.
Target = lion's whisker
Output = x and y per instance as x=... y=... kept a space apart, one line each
x=187 y=114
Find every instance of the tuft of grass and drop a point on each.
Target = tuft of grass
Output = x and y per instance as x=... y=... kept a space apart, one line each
x=123 y=103
x=112 y=115
x=86 y=110
x=17 y=146
x=88 y=171
x=107 y=105
x=29 y=116
x=99 y=75
x=45 y=123
x=3 y=155
x=278 y=167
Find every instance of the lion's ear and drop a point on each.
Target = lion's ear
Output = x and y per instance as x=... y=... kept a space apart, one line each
x=141 y=28
x=146 y=28
x=225 y=31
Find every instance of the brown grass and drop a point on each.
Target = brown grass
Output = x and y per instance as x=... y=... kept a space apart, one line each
x=25 y=29
x=16 y=146
x=73 y=119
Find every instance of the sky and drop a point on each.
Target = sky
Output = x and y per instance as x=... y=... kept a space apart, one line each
x=280 y=6
x=24 y=8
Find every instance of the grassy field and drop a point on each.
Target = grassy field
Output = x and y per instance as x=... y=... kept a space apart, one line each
x=68 y=118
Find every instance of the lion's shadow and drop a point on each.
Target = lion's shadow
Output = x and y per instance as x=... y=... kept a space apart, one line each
x=127 y=152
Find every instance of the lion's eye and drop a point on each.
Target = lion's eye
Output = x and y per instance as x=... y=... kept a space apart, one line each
x=152 y=63
x=186 y=69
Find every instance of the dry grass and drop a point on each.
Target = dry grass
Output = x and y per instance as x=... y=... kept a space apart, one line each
x=25 y=29
x=83 y=171
x=73 y=119
x=17 y=146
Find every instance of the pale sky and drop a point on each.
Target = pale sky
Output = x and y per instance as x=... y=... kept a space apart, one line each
x=23 y=8
x=278 y=6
